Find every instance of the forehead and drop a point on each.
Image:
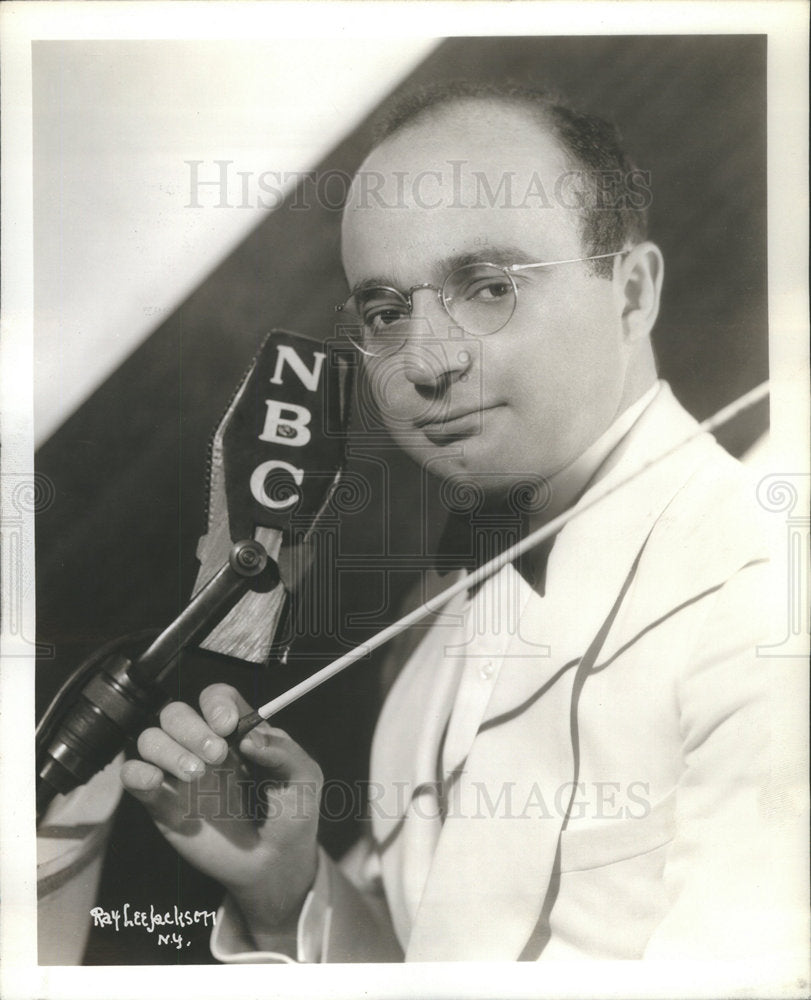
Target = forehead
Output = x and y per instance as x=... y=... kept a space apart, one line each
x=471 y=175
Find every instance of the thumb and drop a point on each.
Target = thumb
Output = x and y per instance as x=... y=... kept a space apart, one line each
x=275 y=751
x=288 y=784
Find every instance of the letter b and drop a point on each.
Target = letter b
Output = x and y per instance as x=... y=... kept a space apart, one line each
x=286 y=423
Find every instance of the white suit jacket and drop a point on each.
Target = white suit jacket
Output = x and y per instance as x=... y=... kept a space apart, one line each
x=615 y=784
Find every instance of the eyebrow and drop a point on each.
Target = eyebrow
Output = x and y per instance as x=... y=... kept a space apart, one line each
x=502 y=254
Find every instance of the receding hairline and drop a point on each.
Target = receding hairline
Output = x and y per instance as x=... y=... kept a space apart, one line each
x=536 y=116
x=417 y=102
x=591 y=148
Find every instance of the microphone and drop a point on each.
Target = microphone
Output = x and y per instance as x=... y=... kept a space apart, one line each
x=274 y=460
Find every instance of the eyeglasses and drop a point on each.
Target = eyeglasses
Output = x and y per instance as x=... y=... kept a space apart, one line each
x=479 y=298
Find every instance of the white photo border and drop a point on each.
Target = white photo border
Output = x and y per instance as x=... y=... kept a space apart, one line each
x=785 y=25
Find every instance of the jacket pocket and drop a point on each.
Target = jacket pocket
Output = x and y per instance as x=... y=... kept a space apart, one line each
x=583 y=847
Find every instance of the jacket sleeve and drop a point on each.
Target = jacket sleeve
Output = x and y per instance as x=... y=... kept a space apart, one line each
x=344 y=919
x=360 y=928
x=735 y=871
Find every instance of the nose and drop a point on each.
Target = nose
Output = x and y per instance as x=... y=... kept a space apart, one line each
x=434 y=354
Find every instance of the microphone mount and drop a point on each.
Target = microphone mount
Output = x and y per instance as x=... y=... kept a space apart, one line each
x=121 y=699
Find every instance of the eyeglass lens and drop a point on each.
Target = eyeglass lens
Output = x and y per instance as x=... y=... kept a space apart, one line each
x=479 y=298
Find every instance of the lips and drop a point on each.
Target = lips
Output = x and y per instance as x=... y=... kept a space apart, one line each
x=439 y=418
x=457 y=423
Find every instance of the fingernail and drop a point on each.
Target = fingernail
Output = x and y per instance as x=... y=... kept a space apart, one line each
x=258 y=738
x=189 y=766
x=153 y=781
x=212 y=749
x=221 y=715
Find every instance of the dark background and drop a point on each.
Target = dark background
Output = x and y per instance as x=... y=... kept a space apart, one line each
x=115 y=550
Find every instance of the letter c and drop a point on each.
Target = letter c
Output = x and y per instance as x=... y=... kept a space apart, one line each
x=260 y=474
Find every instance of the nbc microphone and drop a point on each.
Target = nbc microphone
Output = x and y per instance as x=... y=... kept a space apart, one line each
x=275 y=457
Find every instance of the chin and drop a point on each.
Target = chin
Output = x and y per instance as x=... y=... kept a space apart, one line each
x=468 y=486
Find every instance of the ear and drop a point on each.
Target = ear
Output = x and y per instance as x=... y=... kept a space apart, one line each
x=638 y=287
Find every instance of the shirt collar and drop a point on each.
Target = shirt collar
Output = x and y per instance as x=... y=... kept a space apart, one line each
x=457 y=548
x=568 y=485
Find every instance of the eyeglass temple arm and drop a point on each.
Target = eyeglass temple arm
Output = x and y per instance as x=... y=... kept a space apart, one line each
x=571 y=260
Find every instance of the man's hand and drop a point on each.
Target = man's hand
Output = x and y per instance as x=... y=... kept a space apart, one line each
x=249 y=820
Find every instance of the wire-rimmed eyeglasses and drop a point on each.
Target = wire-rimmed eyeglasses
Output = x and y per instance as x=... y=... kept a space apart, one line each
x=480 y=298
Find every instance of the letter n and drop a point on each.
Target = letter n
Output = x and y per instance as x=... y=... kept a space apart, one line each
x=308 y=378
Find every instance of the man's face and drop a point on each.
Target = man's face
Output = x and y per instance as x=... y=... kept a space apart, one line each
x=526 y=400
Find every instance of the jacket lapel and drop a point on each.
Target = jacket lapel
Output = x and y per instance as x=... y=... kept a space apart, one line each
x=495 y=854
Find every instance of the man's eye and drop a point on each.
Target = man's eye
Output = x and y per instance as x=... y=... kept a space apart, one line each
x=483 y=289
x=381 y=316
x=487 y=290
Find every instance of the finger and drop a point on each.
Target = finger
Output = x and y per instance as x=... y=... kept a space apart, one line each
x=276 y=751
x=157 y=793
x=140 y=778
x=184 y=725
x=222 y=706
x=158 y=748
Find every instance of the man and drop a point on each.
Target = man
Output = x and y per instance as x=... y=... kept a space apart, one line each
x=577 y=759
